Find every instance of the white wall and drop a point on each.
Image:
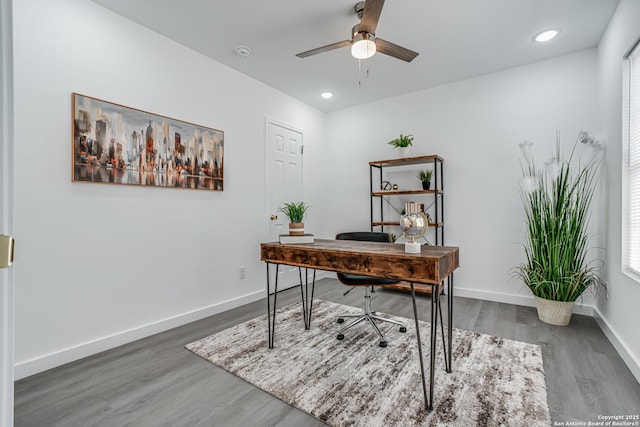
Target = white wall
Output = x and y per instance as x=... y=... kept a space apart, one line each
x=476 y=126
x=98 y=265
x=618 y=312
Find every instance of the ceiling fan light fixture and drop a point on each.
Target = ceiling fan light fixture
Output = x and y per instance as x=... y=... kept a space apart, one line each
x=363 y=46
x=363 y=42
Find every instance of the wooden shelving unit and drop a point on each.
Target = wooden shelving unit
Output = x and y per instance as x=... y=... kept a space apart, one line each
x=435 y=196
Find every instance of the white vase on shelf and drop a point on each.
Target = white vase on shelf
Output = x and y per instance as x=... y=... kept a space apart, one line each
x=405 y=151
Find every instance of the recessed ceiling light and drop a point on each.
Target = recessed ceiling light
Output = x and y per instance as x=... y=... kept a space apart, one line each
x=326 y=94
x=545 y=36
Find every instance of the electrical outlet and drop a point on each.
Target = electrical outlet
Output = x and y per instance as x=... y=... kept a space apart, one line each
x=242 y=272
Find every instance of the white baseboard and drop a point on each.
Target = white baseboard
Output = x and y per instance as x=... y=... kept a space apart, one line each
x=526 y=300
x=58 y=358
x=618 y=343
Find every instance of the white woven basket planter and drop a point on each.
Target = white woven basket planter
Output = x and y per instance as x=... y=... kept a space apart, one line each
x=554 y=312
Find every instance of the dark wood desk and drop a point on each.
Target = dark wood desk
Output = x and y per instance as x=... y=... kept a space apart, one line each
x=433 y=266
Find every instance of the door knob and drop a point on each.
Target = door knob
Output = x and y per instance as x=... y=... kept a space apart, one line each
x=6 y=251
x=274 y=217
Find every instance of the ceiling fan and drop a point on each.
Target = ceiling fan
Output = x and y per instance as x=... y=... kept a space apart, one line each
x=364 y=43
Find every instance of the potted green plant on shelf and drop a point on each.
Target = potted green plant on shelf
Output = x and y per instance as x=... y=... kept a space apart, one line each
x=557 y=205
x=403 y=143
x=295 y=212
x=425 y=177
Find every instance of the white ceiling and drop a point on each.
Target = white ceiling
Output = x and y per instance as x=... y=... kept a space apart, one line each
x=456 y=39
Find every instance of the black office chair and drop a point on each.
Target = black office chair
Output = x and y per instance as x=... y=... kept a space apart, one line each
x=366 y=281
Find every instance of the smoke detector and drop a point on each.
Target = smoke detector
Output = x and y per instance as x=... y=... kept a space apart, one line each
x=243 y=51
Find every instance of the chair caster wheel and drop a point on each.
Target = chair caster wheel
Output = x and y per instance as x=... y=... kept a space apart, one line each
x=340 y=320
x=383 y=343
x=403 y=329
x=340 y=337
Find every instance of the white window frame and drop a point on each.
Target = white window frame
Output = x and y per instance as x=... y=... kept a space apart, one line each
x=631 y=164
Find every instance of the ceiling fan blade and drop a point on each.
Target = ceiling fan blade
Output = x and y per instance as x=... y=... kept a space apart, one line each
x=371 y=15
x=324 y=49
x=394 y=50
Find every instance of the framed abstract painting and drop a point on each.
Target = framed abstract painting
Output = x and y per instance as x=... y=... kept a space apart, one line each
x=116 y=144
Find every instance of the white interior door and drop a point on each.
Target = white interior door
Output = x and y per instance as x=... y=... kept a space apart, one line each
x=6 y=212
x=284 y=184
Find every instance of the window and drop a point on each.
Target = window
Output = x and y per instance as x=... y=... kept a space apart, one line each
x=631 y=166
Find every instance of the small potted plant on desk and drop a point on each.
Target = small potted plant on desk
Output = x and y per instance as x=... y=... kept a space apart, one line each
x=295 y=212
x=425 y=177
x=403 y=143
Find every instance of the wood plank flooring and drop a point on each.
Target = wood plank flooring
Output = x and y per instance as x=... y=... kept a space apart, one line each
x=156 y=382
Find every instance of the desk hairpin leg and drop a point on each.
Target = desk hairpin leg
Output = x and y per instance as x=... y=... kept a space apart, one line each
x=272 y=318
x=447 y=344
x=436 y=313
x=435 y=309
x=427 y=405
x=444 y=343
x=450 y=316
x=302 y=298
x=307 y=303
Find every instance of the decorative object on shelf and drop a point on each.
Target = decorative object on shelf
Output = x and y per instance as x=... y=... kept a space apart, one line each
x=295 y=212
x=122 y=145
x=425 y=177
x=413 y=224
x=395 y=187
x=413 y=207
x=403 y=143
x=557 y=203
x=385 y=185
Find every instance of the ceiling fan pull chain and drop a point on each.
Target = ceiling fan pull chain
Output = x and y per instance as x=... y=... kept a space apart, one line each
x=366 y=73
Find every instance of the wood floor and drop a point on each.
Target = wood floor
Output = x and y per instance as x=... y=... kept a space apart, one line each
x=156 y=382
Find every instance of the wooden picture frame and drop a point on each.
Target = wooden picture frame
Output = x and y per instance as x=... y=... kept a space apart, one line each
x=116 y=144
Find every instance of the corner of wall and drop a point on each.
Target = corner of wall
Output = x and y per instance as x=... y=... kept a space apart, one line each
x=619 y=344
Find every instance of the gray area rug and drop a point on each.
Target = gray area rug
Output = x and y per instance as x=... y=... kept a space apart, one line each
x=354 y=382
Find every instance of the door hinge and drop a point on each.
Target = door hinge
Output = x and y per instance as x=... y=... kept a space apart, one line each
x=302 y=149
x=6 y=251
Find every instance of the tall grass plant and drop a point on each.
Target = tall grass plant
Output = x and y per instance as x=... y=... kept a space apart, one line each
x=557 y=203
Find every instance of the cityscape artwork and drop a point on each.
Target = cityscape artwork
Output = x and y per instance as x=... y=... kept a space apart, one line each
x=121 y=145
